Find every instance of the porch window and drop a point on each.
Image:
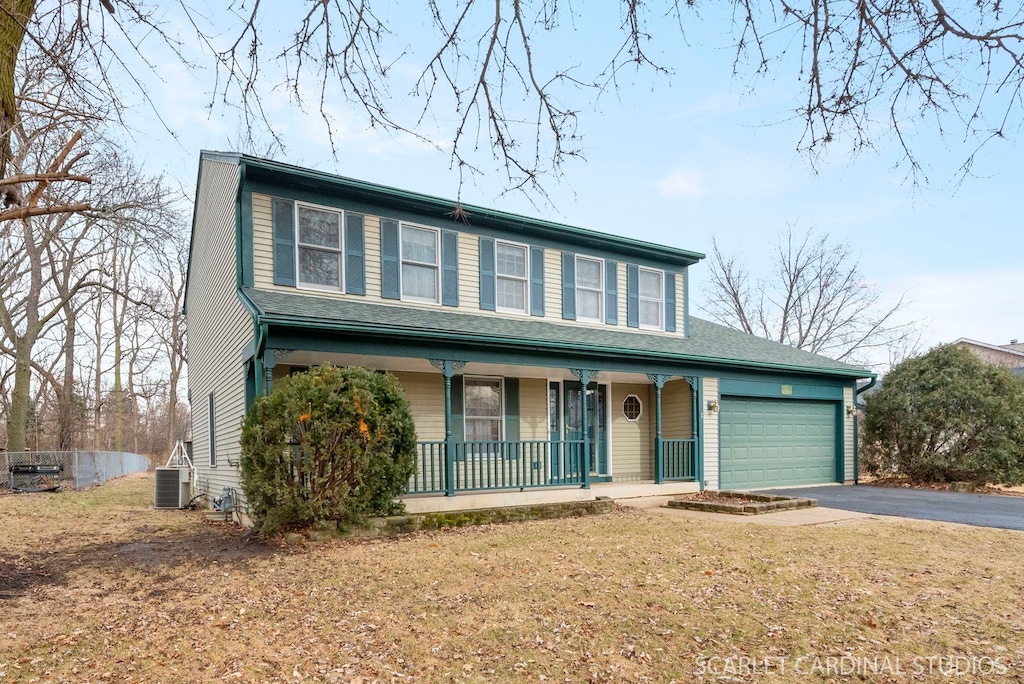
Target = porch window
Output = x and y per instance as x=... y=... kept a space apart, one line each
x=419 y=263
x=652 y=299
x=632 y=408
x=319 y=247
x=589 y=289
x=511 y=271
x=482 y=409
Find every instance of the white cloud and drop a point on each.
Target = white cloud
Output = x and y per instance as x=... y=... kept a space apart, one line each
x=980 y=305
x=682 y=184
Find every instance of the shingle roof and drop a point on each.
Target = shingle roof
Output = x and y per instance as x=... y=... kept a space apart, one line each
x=708 y=342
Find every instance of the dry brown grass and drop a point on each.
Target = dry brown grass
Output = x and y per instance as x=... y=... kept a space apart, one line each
x=95 y=586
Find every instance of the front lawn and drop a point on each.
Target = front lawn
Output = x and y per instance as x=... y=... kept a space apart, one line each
x=96 y=586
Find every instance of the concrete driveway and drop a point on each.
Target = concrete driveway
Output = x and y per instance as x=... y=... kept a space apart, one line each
x=983 y=510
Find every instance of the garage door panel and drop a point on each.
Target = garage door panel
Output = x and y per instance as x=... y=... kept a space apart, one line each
x=766 y=443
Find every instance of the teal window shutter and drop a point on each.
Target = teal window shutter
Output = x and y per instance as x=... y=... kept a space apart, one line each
x=458 y=417
x=355 y=254
x=512 y=417
x=449 y=268
x=536 y=281
x=633 y=296
x=284 y=242
x=611 y=293
x=569 y=286
x=670 y=302
x=487 y=278
x=390 y=266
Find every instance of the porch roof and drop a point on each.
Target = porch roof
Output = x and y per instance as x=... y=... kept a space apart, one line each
x=708 y=342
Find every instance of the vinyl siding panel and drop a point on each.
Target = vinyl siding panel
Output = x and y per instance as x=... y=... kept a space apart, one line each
x=553 y=284
x=371 y=228
x=710 y=391
x=621 y=276
x=849 y=473
x=425 y=392
x=533 y=409
x=632 y=442
x=219 y=329
x=680 y=303
x=469 y=272
x=676 y=410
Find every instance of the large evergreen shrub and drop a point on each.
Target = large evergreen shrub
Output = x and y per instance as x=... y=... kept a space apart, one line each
x=946 y=416
x=328 y=444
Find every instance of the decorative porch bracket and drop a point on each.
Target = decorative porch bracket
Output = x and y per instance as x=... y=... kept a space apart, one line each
x=659 y=446
x=448 y=368
x=697 y=426
x=585 y=376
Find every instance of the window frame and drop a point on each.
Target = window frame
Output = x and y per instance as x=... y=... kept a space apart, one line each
x=525 y=280
x=640 y=408
x=600 y=290
x=299 y=245
x=402 y=261
x=466 y=417
x=641 y=299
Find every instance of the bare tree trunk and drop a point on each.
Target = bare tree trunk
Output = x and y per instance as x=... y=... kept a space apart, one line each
x=14 y=16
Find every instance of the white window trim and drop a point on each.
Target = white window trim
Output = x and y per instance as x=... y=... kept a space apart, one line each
x=639 y=402
x=600 y=290
x=299 y=284
x=402 y=261
x=641 y=299
x=525 y=311
x=501 y=407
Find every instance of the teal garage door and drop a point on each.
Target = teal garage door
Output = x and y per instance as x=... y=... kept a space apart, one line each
x=776 y=442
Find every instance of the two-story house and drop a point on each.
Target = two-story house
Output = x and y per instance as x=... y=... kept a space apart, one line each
x=543 y=362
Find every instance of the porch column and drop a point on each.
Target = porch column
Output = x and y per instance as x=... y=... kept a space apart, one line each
x=269 y=363
x=584 y=376
x=697 y=428
x=659 y=446
x=448 y=368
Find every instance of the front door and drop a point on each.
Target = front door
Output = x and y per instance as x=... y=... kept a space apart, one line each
x=597 y=428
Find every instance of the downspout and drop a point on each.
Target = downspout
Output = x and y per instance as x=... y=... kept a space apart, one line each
x=856 y=427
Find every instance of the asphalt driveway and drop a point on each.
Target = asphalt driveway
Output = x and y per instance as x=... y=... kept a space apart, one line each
x=983 y=510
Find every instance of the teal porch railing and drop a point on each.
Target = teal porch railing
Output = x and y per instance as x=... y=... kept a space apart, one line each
x=497 y=465
x=523 y=464
x=680 y=461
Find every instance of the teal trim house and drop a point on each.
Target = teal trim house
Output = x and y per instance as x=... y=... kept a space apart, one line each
x=543 y=362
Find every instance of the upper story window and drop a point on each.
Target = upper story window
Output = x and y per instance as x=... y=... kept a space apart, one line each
x=511 y=285
x=320 y=252
x=589 y=289
x=652 y=299
x=420 y=263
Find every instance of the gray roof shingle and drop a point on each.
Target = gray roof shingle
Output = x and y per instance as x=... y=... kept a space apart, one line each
x=708 y=342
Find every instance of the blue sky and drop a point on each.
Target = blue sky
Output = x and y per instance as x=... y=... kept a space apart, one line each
x=680 y=160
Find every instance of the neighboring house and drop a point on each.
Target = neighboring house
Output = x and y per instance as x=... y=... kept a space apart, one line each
x=1008 y=355
x=543 y=362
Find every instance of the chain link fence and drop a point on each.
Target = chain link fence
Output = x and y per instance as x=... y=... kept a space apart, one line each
x=68 y=470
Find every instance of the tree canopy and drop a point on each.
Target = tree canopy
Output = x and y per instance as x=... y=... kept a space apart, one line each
x=495 y=84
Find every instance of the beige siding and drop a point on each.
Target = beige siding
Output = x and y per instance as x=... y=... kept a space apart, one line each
x=533 y=409
x=553 y=284
x=710 y=390
x=218 y=330
x=632 y=442
x=676 y=410
x=680 y=303
x=848 y=445
x=425 y=392
x=469 y=272
x=469 y=269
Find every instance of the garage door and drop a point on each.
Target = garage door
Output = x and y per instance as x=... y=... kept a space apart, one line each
x=772 y=442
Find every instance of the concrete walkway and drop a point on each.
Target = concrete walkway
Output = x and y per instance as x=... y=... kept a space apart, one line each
x=825 y=517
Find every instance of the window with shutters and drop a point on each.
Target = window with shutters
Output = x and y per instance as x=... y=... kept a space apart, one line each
x=482 y=410
x=652 y=299
x=319 y=242
x=420 y=263
x=589 y=289
x=512 y=279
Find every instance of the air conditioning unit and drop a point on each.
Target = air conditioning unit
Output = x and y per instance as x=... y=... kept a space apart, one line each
x=172 y=487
